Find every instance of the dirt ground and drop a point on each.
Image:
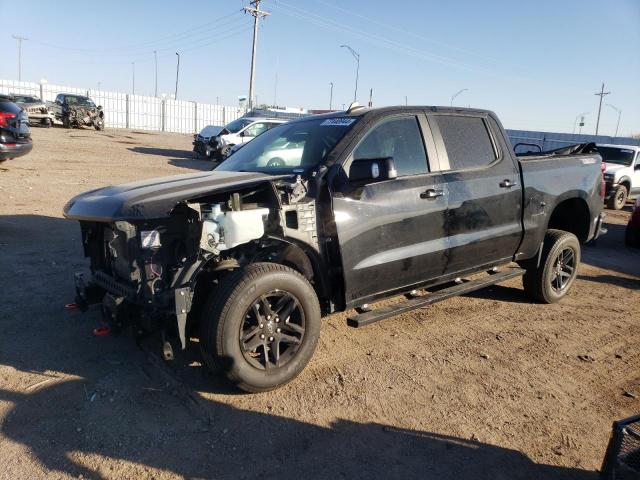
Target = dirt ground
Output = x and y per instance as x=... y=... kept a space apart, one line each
x=486 y=386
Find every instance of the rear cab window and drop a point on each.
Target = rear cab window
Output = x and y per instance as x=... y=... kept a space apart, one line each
x=467 y=141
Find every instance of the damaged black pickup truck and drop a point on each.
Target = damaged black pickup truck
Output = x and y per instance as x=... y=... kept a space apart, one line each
x=376 y=203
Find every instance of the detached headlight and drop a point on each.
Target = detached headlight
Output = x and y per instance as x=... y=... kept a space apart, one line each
x=150 y=239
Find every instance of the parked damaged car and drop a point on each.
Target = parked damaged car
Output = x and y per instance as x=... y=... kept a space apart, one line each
x=369 y=204
x=77 y=111
x=219 y=144
x=15 y=138
x=37 y=110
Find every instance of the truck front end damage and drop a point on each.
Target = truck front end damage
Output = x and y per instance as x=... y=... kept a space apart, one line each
x=154 y=273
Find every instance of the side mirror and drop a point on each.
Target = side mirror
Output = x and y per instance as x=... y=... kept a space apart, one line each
x=242 y=134
x=637 y=166
x=372 y=169
x=99 y=107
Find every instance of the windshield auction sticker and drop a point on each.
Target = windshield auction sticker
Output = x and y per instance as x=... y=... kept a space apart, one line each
x=338 y=122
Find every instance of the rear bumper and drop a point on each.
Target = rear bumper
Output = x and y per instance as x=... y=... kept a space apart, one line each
x=14 y=150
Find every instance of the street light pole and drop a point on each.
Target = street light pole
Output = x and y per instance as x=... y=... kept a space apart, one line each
x=453 y=97
x=177 y=75
x=619 y=113
x=331 y=96
x=356 y=55
x=575 y=122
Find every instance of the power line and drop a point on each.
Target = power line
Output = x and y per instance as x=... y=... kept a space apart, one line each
x=372 y=38
x=19 y=38
x=257 y=14
x=146 y=47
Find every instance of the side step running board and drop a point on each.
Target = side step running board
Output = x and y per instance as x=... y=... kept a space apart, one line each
x=367 y=318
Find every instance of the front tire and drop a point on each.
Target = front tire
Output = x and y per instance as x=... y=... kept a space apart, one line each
x=552 y=279
x=260 y=326
x=619 y=198
x=66 y=121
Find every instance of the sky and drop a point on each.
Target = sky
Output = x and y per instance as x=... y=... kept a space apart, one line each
x=537 y=64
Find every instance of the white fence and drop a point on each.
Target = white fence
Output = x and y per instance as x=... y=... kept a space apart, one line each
x=122 y=110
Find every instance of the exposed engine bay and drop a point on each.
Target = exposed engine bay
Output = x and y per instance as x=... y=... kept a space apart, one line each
x=150 y=272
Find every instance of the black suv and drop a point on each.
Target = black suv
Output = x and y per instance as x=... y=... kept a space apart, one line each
x=15 y=138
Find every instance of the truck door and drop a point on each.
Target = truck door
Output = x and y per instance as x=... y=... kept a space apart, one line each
x=392 y=233
x=483 y=184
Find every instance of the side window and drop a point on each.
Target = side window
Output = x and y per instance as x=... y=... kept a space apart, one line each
x=467 y=141
x=399 y=138
x=255 y=129
x=59 y=99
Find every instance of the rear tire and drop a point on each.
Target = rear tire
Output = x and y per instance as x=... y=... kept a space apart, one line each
x=260 y=326
x=552 y=280
x=66 y=122
x=618 y=200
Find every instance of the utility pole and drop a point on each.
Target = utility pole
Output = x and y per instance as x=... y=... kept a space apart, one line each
x=371 y=98
x=133 y=78
x=177 y=75
x=331 y=96
x=600 y=94
x=619 y=113
x=257 y=14
x=155 y=57
x=406 y=100
x=356 y=55
x=19 y=39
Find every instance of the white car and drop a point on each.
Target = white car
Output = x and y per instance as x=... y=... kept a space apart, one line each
x=242 y=130
x=284 y=154
x=622 y=175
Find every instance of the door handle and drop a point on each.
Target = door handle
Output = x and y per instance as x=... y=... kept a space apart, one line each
x=431 y=194
x=507 y=183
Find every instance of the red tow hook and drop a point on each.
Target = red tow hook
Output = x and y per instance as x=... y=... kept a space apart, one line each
x=101 y=331
x=72 y=306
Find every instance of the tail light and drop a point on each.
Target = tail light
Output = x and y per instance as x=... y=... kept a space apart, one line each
x=603 y=185
x=4 y=118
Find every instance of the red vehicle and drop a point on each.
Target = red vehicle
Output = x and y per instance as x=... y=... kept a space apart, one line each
x=632 y=235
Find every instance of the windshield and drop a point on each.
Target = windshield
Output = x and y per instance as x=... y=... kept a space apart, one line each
x=80 y=102
x=237 y=125
x=619 y=156
x=290 y=147
x=24 y=99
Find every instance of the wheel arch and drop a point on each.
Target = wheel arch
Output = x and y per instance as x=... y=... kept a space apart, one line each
x=626 y=181
x=572 y=215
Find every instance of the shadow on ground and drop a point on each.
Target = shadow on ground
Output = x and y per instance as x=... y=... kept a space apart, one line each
x=83 y=403
x=610 y=252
